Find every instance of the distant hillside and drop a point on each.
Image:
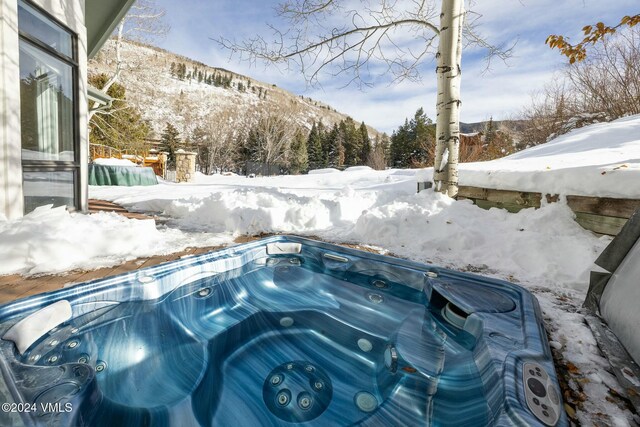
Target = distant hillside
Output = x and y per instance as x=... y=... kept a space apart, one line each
x=191 y=102
x=515 y=125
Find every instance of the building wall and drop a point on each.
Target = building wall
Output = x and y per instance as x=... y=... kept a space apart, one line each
x=71 y=13
x=10 y=144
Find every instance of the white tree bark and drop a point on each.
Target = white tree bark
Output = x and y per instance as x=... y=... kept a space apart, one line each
x=114 y=78
x=144 y=22
x=445 y=170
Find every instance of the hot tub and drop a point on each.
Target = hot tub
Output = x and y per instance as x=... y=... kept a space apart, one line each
x=282 y=331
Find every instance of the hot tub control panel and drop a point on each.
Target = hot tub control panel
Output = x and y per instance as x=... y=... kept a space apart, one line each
x=541 y=393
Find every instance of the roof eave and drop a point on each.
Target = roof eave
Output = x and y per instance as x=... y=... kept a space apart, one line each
x=100 y=27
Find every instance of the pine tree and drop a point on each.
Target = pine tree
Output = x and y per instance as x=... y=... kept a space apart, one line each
x=298 y=156
x=350 y=141
x=412 y=143
x=334 y=148
x=399 y=146
x=170 y=141
x=121 y=126
x=385 y=142
x=365 y=144
x=315 y=153
x=173 y=69
x=323 y=133
x=423 y=136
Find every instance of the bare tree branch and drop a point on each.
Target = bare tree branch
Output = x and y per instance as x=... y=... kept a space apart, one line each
x=144 y=22
x=355 y=38
x=352 y=36
x=336 y=36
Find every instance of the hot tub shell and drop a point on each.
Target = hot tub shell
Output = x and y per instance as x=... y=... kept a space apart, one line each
x=440 y=346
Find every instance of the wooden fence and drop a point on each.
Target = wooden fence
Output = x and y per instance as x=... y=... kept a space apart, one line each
x=602 y=215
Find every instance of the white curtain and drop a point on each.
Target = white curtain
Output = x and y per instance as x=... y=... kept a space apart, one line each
x=47 y=110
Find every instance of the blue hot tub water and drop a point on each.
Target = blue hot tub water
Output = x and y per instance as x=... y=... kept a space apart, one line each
x=326 y=336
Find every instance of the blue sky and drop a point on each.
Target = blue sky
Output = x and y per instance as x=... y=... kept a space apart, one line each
x=501 y=92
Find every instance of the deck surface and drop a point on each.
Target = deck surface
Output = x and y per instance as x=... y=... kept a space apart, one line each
x=16 y=286
x=96 y=205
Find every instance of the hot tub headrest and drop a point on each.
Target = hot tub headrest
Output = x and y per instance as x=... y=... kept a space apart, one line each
x=33 y=327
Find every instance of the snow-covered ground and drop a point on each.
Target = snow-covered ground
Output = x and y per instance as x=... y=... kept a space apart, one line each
x=544 y=250
x=598 y=160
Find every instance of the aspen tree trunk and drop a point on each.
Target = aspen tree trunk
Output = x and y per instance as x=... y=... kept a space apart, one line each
x=93 y=110
x=445 y=168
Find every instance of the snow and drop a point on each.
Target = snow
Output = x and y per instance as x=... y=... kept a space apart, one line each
x=380 y=208
x=114 y=162
x=445 y=159
x=52 y=240
x=544 y=250
x=597 y=160
x=358 y=169
x=323 y=171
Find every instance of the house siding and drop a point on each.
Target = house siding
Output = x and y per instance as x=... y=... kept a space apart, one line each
x=71 y=14
x=10 y=145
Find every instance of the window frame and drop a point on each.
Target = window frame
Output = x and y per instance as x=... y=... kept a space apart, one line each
x=59 y=165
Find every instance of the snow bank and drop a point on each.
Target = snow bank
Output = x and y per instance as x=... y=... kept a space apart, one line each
x=252 y=211
x=381 y=208
x=598 y=160
x=358 y=169
x=322 y=171
x=544 y=246
x=53 y=240
x=114 y=162
x=545 y=250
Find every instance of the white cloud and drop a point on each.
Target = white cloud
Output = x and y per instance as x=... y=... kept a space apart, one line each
x=501 y=93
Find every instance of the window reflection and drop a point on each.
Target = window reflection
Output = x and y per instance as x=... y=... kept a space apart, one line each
x=47 y=110
x=47 y=188
x=38 y=26
x=46 y=106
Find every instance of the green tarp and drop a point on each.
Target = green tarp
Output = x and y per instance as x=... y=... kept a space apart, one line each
x=121 y=175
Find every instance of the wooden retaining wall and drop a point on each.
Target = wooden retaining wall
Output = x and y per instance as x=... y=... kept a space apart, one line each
x=602 y=215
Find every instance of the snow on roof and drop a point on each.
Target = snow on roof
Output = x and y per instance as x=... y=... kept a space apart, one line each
x=597 y=160
x=358 y=169
x=114 y=162
x=322 y=171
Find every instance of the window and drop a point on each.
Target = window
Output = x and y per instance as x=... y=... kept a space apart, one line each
x=45 y=188
x=48 y=110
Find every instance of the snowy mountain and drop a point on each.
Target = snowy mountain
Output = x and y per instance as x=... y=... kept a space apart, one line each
x=188 y=101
